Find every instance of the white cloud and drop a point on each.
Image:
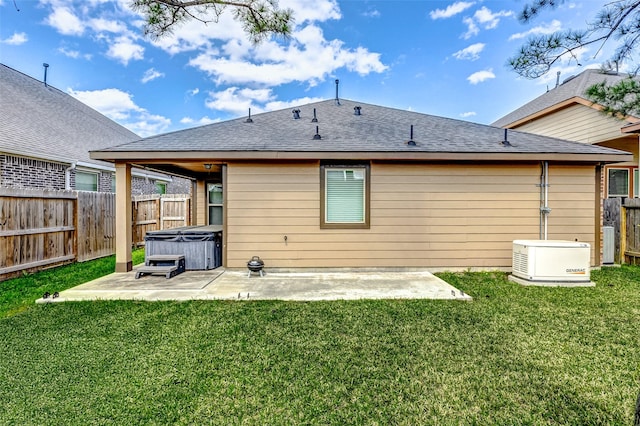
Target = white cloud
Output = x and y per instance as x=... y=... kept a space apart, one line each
x=125 y=50
x=193 y=92
x=65 y=21
x=308 y=58
x=119 y=106
x=312 y=10
x=75 y=54
x=149 y=124
x=468 y=114
x=151 y=74
x=489 y=19
x=69 y=53
x=106 y=25
x=238 y=101
x=277 y=105
x=451 y=10
x=470 y=53
x=472 y=28
x=484 y=18
x=16 y=39
x=549 y=28
x=480 y=76
x=114 y=103
x=200 y=122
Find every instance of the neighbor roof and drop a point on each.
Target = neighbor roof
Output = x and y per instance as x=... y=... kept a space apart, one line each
x=571 y=88
x=43 y=122
x=379 y=132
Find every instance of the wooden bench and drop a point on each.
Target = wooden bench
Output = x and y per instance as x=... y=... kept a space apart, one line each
x=168 y=265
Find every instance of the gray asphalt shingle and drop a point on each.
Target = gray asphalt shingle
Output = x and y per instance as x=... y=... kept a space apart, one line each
x=377 y=129
x=47 y=123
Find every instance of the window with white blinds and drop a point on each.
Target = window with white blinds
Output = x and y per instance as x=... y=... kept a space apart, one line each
x=345 y=195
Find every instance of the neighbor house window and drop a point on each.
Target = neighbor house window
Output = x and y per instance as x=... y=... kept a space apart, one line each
x=636 y=193
x=344 y=196
x=86 y=181
x=161 y=188
x=618 y=182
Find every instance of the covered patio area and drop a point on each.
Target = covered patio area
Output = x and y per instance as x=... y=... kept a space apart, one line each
x=278 y=284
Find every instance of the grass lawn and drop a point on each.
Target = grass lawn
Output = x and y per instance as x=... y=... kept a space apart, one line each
x=514 y=355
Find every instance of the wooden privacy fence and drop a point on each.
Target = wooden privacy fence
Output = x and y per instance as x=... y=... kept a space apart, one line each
x=42 y=228
x=157 y=212
x=623 y=214
x=37 y=228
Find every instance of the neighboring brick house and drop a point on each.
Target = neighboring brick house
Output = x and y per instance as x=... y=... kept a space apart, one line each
x=565 y=112
x=46 y=136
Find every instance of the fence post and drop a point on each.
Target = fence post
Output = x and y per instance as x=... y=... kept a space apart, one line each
x=159 y=214
x=623 y=233
x=76 y=209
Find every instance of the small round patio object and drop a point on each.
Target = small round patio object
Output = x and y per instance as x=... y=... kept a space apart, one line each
x=255 y=265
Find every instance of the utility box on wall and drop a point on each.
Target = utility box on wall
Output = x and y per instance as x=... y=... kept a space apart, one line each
x=551 y=261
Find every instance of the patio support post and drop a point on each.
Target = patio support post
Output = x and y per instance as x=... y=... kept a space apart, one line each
x=123 y=218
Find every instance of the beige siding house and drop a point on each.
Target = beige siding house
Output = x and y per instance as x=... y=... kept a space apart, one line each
x=564 y=112
x=346 y=184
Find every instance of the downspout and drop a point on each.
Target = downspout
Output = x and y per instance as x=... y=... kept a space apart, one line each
x=544 y=200
x=67 y=176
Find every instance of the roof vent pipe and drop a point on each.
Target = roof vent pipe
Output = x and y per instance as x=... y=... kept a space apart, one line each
x=45 y=65
x=356 y=110
x=411 y=142
x=314 y=119
x=296 y=114
x=317 y=135
x=558 y=79
x=506 y=142
x=249 y=120
x=337 y=98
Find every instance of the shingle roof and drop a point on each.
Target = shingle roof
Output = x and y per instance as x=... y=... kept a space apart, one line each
x=377 y=130
x=574 y=86
x=44 y=122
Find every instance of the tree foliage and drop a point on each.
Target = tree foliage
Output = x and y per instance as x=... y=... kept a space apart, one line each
x=259 y=18
x=618 y=21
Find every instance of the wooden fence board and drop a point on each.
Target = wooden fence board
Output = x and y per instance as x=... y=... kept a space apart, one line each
x=631 y=209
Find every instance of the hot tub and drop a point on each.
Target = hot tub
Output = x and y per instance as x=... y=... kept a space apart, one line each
x=200 y=245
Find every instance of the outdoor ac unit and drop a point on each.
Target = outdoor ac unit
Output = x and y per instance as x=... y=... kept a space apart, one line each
x=553 y=261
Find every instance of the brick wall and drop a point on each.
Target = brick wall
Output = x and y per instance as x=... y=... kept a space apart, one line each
x=21 y=172
x=140 y=186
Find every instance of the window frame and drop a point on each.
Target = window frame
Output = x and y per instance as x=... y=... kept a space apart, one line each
x=217 y=205
x=96 y=177
x=345 y=166
x=609 y=170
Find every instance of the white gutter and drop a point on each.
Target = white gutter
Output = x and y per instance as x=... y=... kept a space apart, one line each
x=67 y=176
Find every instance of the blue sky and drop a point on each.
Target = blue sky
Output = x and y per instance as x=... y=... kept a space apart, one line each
x=445 y=58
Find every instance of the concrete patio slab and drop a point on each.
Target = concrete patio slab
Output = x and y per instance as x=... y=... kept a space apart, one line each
x=296 y=285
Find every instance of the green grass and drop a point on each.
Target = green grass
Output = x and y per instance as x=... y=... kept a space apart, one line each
x=18 y=294
x=514 y=355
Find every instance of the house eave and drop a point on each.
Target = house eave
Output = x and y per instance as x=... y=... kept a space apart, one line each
x=181 y=156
